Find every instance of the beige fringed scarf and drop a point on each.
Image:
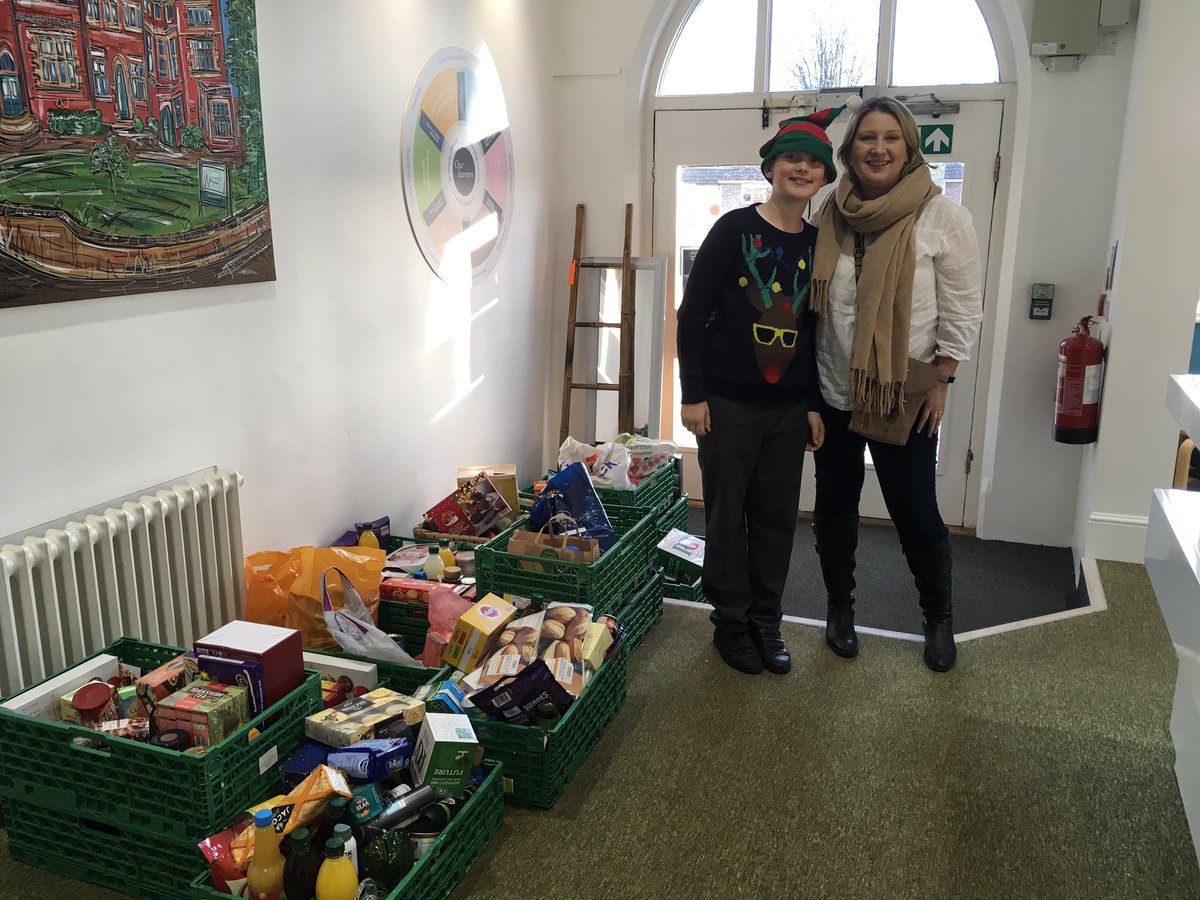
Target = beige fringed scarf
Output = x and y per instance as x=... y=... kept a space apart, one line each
x=879 y=354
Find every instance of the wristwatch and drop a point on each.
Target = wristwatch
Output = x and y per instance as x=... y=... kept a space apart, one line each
x=944 y=378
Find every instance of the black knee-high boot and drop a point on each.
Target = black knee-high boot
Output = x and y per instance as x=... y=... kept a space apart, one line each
x=837 y=540
x=931 y=570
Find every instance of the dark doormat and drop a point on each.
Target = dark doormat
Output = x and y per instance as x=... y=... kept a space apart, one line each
x=995 y=582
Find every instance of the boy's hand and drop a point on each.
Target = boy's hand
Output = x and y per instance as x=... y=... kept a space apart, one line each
x=816 y=428
x=696 y=418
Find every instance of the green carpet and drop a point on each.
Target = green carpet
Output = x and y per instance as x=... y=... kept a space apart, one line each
x=1040 y=767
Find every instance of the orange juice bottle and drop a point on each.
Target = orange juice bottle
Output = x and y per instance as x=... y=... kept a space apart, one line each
x=264 y=877
x=337 y=879
x=446 y=553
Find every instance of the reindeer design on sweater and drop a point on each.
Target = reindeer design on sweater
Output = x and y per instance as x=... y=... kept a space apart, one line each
x=775 y=331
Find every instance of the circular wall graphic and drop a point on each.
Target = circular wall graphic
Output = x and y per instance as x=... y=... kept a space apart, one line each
x=458 y=165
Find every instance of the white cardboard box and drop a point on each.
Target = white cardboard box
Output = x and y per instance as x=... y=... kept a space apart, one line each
x=41 y=700
x=359 y=671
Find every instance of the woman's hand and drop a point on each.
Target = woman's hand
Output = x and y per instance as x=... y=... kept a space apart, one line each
x=816 y=428
x=696 y=418
x=932 y=409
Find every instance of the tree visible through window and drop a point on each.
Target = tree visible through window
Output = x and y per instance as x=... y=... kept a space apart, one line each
x=816 y=45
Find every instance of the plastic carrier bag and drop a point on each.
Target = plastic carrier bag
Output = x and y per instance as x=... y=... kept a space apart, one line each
x=352 y=628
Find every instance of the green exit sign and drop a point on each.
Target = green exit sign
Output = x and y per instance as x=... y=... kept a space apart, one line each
x=937 y=139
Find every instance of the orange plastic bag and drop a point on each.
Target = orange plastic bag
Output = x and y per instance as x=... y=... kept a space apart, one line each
x=285 y=588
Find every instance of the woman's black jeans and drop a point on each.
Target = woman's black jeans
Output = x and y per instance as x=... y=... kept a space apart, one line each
x=906 y=477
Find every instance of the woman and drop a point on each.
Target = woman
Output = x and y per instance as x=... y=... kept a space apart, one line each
x=897 y=266
x=747 y=372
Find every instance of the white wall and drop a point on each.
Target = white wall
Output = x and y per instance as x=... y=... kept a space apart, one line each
x=1155 y=288
x=1068 y=139
x=342 y=391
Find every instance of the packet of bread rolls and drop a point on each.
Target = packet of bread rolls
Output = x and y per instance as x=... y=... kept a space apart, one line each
x=515 y=648
x=560 y=644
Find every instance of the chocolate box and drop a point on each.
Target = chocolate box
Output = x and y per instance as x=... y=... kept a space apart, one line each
x=278 y=649
x=367 y=716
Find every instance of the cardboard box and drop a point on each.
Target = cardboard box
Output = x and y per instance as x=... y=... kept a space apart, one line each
x=360 y=672
x=363 y=717
x=503 y=476
x=596 y=644
x=475 y=508
x=208 y=710
x=477 y=631
x=278 y=649
x=241 y=672
x=681 y=555
x=411 y=590
x=444 y=752
x=164 y=681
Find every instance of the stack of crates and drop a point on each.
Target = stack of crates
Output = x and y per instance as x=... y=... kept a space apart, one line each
x=622 y=583
x=129 y=815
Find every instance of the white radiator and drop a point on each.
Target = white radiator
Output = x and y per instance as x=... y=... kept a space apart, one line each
x=163 y=565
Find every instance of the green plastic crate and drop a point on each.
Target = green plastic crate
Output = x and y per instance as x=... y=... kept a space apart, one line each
x=141 y=787
x=140 y=862
x=674 y=516
x=446 y=862
x=679 y=591
x=612 y=577
x=539 y=764
x=406 y=618
x=639 y=613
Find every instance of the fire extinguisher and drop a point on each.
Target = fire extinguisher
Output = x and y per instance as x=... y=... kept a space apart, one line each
x=1080 y=375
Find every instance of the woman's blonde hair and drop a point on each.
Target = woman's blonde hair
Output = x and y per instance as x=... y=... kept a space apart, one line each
x=908 y=128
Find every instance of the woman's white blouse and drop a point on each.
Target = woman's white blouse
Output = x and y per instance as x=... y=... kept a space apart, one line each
x=947 y=303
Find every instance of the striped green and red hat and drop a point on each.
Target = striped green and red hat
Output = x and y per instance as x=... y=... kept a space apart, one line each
x=804 y=134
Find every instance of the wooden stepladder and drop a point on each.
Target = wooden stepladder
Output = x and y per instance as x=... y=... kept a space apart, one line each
x=624 y=385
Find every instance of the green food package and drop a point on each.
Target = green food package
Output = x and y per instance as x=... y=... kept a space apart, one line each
x=387 y=859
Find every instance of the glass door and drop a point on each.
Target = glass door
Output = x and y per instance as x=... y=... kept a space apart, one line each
x=706 y=163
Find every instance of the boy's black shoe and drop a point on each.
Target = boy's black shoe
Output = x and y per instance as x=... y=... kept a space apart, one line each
x=772 y=651
x=738 y=650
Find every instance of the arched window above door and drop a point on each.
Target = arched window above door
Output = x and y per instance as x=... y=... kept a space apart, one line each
x=731 y=46
x=6 y=62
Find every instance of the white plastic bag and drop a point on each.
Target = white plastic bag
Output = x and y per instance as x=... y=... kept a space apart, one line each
x=647 y=454
x=352 y=628
x=607 y=464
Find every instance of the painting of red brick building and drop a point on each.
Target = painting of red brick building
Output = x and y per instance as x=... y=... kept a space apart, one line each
x=131 y=155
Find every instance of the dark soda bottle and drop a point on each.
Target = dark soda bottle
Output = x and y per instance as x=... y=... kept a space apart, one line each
x=301 y=867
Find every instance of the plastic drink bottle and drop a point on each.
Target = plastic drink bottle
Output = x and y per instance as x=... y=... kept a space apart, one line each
x=264 y=877
x=367 y=537
x=434 y=568
x=337 y=879
x=343 y=831
x=301 y=867
x=335 y=813
x=446 y=553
